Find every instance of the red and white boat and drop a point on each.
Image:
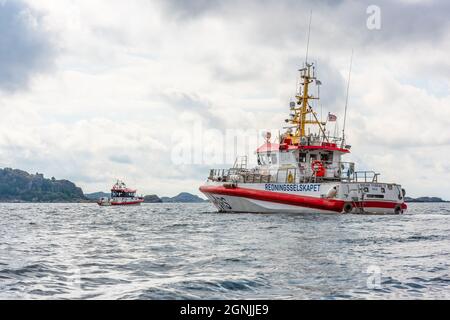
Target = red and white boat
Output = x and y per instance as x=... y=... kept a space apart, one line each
x=303 y=172
x=121 y=196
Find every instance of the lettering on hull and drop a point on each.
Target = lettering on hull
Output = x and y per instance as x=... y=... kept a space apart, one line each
x=308 y=187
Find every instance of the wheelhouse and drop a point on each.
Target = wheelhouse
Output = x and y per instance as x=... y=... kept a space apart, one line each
x=314 y=160
x=119 y=190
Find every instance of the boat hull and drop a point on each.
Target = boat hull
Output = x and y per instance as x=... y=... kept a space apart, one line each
x=255 y=198
x=117 y=203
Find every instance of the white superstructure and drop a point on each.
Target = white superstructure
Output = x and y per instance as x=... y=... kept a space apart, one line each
x=303 y=171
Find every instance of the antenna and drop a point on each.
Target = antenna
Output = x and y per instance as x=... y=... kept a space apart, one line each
x=309 y=33
x=346 y=98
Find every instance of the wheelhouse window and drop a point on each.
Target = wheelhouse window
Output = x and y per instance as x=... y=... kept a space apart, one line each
x=375 y=196
x=273 y=158
x=262 y=159
x=302 y=157
x=326 y=157
x=121 y=194
x=267 y=159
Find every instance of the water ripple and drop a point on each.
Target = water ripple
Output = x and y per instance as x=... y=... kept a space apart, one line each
x=188 y=251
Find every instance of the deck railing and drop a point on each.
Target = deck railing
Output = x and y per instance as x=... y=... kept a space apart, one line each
x=343 y=171
x=366 y=176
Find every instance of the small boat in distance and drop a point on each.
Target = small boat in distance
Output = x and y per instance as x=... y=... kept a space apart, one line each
x=121 y=196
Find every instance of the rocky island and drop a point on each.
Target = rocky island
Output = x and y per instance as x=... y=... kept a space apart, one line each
x=183 y=197
x=20 y=186
x=424 y=199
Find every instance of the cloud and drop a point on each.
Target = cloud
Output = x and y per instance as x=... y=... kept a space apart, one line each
x=284 y=23
x=185 y=10
x=121 y=158
x=25 y=45
x=130 y=74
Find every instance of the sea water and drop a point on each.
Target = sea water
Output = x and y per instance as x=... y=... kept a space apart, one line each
x=189 y=251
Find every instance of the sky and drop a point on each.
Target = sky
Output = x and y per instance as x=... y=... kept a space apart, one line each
x=96 y=90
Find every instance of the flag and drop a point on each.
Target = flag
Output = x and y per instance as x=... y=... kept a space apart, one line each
x=331 y=117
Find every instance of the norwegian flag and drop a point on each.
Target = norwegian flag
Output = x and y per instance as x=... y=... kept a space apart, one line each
x=331 y=117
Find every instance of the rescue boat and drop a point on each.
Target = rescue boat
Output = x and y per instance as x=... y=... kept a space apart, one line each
x=302 y=171
x=121 y=196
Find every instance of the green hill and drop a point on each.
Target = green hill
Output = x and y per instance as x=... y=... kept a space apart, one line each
x=424 y=199
x=97 y=195
x=20 y=186
x=153 y=198
x=183 y=197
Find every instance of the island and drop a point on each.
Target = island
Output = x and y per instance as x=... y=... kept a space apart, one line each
x=183 y=197
x=424 y=199
x=153 y=198
x=97 y=195
x=20 y=186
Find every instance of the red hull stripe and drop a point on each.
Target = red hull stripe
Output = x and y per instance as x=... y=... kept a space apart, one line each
x=125 y=203
x=283 y=198
x=295 y=200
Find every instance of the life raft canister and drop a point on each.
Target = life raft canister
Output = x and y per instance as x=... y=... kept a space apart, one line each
x=318 y=168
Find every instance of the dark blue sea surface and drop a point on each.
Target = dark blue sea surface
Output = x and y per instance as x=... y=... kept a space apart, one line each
x=188 y=251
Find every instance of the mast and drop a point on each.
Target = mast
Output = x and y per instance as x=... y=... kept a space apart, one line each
x=303 y=100
x=302 y=107
x=309 y=34
x=346 y=99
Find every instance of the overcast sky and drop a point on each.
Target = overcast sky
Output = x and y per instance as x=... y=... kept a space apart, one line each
x=94 y=90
